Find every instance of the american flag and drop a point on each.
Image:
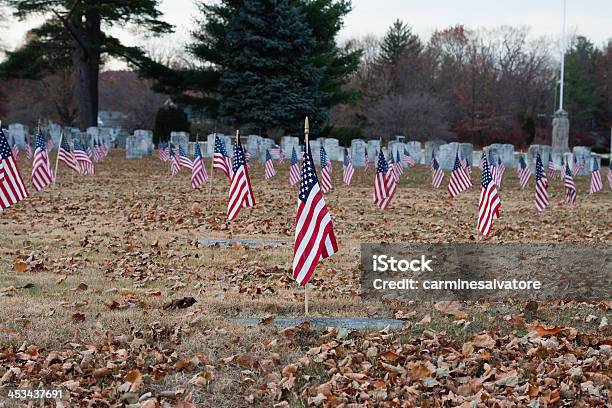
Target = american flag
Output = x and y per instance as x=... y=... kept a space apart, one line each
x=275 y=150
x=501 y=169
x=347 y=169
x=85 y=163
x=570 y=188
x=28 y=151
x=551 y=168
x=314 y=232
x=489 y=203
x=465 y=163
x=198 y=170
x=66 y=155
x=384 y=183
x=576 y=166
x=163 y=151
x=541 y=198
x=294 y=168
x=50 y=143
x=241 y=193
x=221 y=160
x=12 y=189
x=459 y=180
x=15 y=150
x=437 y=174
x=398 y=166
x=281 y=158
x=367 y=161
x=41 y=167
x=523 y=172
x=184 y=160
x=326 y=183
x=610 y=173
x=269 y=166
x=104 y=148
x=97 y=153
x=596 y=183
x=408 y=158
x=175 y=167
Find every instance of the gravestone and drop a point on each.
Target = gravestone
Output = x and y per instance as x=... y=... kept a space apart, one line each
x=332 y=148
x=582 y=153
x=139 y=145
x=447 y=154
x=505 y=152
x=560 y=133
x=399 y=138
x=266 y=144
x=467 y=149
x=416 y=151
x=431 y=146
x=105 y=135
x=545 y=152
x=55 y=131
x=396 y=146
x=287 y=145
x=373 y=147
x=210 y=146
x=315 y=149
x=93 y=133
x=179 y=138
x=19 y=134
x=253 y=145
x=358 y=149
x=476 y=156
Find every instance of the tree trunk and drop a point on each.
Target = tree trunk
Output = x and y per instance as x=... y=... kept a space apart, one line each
x=87 y=68
x=86 y=58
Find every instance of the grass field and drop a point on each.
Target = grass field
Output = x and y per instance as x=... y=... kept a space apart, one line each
x=87 y=272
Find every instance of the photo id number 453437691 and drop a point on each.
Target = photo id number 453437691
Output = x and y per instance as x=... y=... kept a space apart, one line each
x=33 y=394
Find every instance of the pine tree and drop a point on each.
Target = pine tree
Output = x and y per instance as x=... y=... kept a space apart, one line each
x=270 y=81
x=399 y=41
x=200 y=86
x=74 y=35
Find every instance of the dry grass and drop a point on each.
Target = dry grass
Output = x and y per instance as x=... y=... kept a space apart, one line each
x=128 y=234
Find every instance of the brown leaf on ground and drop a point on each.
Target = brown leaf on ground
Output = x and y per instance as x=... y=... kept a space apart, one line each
x=20 y=266
x=182 y=303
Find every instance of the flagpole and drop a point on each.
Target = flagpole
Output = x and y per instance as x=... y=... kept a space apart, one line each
x=562 y=74
x=306 y=149
x=57 y=157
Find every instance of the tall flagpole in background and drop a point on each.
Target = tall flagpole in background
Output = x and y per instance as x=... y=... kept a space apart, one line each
x=563 y=46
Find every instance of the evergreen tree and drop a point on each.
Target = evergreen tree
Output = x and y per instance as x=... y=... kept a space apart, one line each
x=269 y=80
x=581 y=97
x=73 y=34
x=322 y=19
x=399 y=41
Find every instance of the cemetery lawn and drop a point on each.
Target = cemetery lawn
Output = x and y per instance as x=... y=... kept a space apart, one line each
x=89 y=272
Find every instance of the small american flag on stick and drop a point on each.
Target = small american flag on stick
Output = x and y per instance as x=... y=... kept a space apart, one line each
x=437 y=174
x=489 y=203
x=241 y=193
x=199 y=175
x=408 y=158
x=15 y=150
x=184 y=160
x=221 y=160
x=523 y=172
x=459 y=180
x=314 y=232
x=41 y=166
x=175 y=167
x=66 y=155
x=85 y=163
x=294 y=168
x=384 y=183
x=610 y=173
x=347 y=169
x=326 y=182
x=163 y=151
x=269 y=166
x=570 y=188
x=541 y=196
x=596 y=183
x=28 y=151
x=551 y=168
x=366 y=161
x=12 y=189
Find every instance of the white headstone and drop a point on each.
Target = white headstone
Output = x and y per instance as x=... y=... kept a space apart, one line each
x=545 y=153
x=332 y=148
x=583 y=156
x=416 y=151
x=287 y=145
x=139 y=145
x=253 y=145
x=431 y=146
x=315 y=150
x=373 y=147
x=358 y=149
x=55 y=131
x=19 y=134
x=179 y=138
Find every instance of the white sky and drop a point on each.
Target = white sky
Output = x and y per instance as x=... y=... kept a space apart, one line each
x=592 y=18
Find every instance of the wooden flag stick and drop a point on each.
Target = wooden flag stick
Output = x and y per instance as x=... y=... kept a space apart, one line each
x=306 y=300
x=57 y=156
